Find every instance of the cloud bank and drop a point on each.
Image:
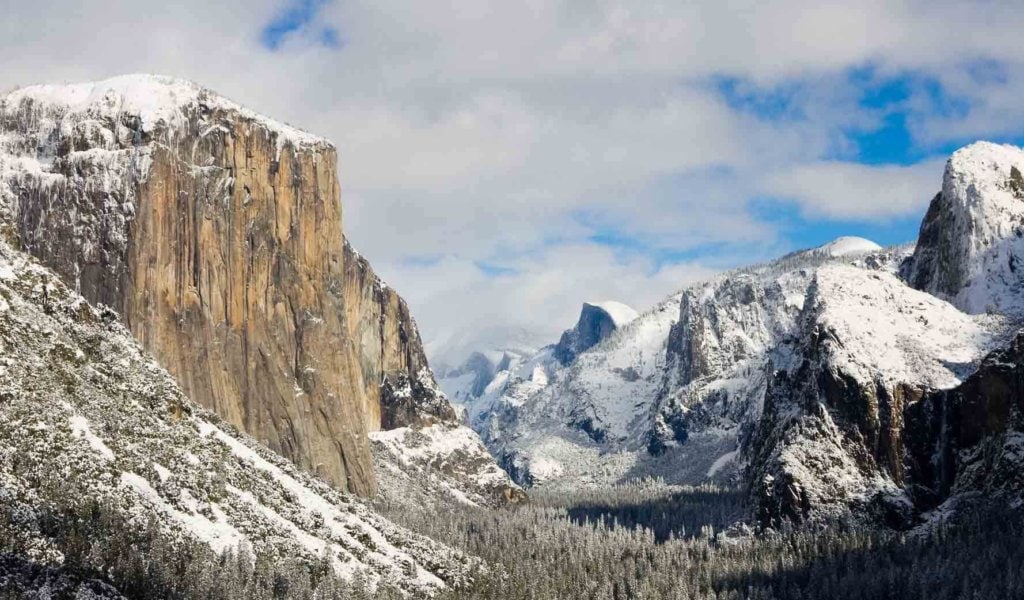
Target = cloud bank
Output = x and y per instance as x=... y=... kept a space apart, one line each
x=503 y=162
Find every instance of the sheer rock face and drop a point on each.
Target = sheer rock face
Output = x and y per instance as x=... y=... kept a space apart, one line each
x=971 y=246
x=217 y=235
x=398 y=386
x=832 y=443
x=595 y=324
x=971 y=438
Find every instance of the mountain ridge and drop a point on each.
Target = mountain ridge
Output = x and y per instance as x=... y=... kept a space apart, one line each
x=767 y=374
x=217 y=235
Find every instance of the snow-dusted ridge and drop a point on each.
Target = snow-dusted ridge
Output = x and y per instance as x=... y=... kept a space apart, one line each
x=598 y=418
x=794 y=376
x=156 y=100
x=83 y=410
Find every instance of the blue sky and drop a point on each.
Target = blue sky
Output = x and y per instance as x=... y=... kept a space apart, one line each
x=299 y=16
x=502 y=162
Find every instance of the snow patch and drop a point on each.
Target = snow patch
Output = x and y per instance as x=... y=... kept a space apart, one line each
x=80 y=429
x=847 y=245
x=620 y=313
x=721 y=461
x=219 y=535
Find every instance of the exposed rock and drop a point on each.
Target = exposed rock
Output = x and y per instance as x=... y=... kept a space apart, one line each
x=597 y=321
x=216 y=234
x=399 y=388
x=969 y=440
x=970 y=250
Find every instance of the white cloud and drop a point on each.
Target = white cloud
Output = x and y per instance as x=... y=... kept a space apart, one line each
x=838 y=190
x=483 y=130
x=541 y=295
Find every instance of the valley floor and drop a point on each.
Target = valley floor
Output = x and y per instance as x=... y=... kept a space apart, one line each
x=638 y=541
x=653 y=542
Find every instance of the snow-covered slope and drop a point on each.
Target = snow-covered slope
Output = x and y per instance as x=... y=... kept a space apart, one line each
x=803 y=378
x=831 y=440
x=86 y=416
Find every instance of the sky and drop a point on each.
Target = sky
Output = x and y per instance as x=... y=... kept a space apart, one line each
x=503 y=162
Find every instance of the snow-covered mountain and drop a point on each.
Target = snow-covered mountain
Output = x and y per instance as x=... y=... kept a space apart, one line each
x=215 y=233
x=798 y=378
x=972 y=238
x=91 y=425
x=668 y=394
x=830 y=441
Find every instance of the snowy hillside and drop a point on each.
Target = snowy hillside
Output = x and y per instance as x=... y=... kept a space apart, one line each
x=87 y=417
x=795 y=377
x=668 y=394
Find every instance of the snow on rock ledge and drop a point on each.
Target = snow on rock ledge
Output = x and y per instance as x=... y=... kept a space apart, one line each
x=971 y=245
x=440 y=461
x=153 y=99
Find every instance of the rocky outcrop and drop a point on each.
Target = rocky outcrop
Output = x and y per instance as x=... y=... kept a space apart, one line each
x=398 y=386
x=439 y=464
x=597 y=321
x=969 y=441
x=970 y=250
x=216 y=234
x=832 y=441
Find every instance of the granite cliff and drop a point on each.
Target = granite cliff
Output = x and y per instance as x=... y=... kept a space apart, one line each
x=216 y=235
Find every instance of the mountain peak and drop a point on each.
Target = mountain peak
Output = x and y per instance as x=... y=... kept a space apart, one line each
x=620 y=313
x=971 y=244
x=987 y=155
x=597 y=321
x=154 y=99
x=848 y=244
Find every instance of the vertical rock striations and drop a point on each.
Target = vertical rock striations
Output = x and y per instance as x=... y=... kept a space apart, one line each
x=217 y=235
x=399 y=388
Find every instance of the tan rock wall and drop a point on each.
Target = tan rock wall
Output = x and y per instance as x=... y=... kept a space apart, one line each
x=390 y=349
x=218 y=238
x=228 y=266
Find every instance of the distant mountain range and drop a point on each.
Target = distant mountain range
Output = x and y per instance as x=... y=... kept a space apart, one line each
x=847 y=382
